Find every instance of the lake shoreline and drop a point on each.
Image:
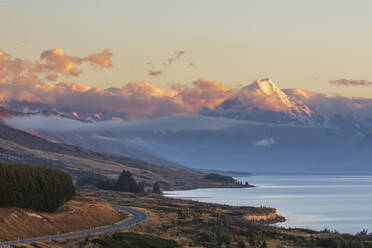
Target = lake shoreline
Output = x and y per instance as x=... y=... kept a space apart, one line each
x=306 y=201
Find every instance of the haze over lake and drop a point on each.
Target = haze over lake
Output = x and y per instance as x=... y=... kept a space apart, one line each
x=336 y=202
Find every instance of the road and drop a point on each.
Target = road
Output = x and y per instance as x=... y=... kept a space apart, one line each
x=137 y=217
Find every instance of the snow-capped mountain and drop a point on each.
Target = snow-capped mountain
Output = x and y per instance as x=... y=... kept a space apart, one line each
x=267 y=89
x=264 y=101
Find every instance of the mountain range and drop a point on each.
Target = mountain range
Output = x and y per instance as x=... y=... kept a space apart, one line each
x=263 y=101
x=260 y=101
x=259 y=128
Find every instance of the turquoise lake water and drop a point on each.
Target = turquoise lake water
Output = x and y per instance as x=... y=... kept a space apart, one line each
x=336 y=202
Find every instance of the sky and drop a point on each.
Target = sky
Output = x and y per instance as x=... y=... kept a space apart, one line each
x=297 y=44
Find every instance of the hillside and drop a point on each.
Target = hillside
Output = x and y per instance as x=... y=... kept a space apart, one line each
x=98 y=143
x=78 y=214
x=220 y=143
x=6 y=112
x=106 y=143
x=19 y=146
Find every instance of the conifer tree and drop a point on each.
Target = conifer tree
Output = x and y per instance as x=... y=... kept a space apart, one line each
x=126 y=183
x=34 y=187
x=156 y=188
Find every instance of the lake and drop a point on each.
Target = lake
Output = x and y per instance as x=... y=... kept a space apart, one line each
x=336 y=202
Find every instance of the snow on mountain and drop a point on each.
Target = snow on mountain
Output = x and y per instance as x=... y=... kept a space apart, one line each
x=268 y=88
x=264 y=101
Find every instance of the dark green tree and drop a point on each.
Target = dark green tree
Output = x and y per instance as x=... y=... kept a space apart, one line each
x=156 y=188
x=126 y=183
x=105 y=185
x=34 y=187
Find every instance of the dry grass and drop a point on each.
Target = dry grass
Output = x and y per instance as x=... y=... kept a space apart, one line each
x=78 y=214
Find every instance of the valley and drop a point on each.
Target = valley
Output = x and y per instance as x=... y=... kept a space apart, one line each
x=185 y=124
x=19 y=146
x=185 y=223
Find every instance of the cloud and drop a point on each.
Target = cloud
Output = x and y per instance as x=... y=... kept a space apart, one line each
x=350 y=82
x=155 y=73
x=56 y=60
x=102 y=59
x=28 y=81
x=176 y=56
x=139 y=100
x=332 y=104
x=264 y=142
x=17 y=70
x=52 y=63
x=136 y=100
x=204 y=93
x=57 y=123
x=52 y=77
x=172 y=59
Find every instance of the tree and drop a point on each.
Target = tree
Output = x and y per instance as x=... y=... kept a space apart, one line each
x=156 y=188
x=141 y=188
x=105 y=185
x=126 y=183
x=34 y=187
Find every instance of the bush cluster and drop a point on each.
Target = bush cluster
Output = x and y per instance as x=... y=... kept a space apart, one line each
x=126 y=183
x=134 y=240
x=219 y=178
x=34 y=187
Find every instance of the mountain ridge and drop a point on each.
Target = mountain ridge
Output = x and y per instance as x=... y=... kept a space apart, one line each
x=260 y=100
x=270 y=89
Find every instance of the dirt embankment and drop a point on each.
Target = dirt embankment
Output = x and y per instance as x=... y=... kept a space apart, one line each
x=78 y=214
x=269 y=217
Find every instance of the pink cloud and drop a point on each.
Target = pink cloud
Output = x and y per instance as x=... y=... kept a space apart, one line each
x=155 y=73
x=350 y=82
x=52 y=63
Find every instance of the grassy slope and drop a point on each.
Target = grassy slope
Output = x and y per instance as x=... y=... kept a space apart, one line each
x=78 y=214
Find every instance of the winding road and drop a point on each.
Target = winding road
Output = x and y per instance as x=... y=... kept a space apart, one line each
x=137 y=217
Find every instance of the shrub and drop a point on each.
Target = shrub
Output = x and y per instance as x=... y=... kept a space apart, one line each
x=105 y=185
x=219 y=178
x=134 y=240
x=90 y=179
